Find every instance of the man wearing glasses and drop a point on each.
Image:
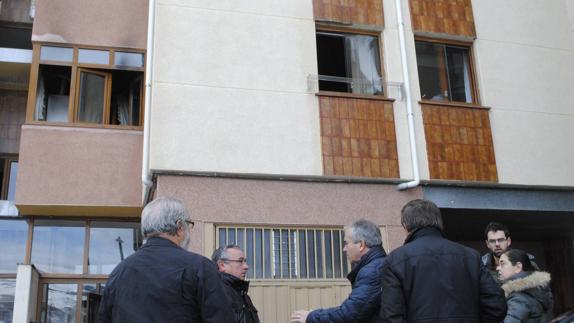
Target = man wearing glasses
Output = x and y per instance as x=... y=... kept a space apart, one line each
x=232 y=265
x=162 y=281
x=497 y=241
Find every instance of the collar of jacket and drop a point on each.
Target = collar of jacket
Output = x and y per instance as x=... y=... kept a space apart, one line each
x=237 y=283
x=373 y=253
x=423 y=232
x=159 y=241
x=526 y=280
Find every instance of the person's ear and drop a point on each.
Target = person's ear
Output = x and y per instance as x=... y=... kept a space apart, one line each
x=362 y=245
x=509 y=241
x=220 y=264
x=519 y=265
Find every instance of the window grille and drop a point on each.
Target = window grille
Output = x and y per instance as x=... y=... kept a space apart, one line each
x=289 y=253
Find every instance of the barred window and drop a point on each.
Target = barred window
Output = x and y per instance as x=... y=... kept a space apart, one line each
x=289 y=253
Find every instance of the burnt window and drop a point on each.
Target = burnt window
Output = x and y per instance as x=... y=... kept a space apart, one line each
x=349 y=63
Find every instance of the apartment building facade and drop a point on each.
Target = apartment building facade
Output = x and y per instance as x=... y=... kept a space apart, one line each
x=277 y=123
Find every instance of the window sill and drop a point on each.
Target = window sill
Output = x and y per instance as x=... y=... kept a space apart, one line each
x=353 y=96
x=453 y=104
x=83 y=125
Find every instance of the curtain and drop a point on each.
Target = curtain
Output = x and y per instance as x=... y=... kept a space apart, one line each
x=363 y=64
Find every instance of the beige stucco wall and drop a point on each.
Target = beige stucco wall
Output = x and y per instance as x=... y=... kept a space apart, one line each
x=525 y=59
x=65 y=166
x=105 y=23
x=230 y=87
x=265 y=202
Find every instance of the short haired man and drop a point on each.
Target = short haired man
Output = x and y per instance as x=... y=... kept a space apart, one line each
x=232 y=265
x=497 y=239
x=364 y=249
x=163 y=282
x=432 y=279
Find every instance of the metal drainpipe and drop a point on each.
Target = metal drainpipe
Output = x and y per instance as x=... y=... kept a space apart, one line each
x=412 y=138
x=146 y=177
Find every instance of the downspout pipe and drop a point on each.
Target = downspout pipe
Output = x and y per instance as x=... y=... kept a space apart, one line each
x=146 y=176
x=410 y=118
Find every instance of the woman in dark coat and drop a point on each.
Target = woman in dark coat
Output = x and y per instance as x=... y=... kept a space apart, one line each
x=527 y=290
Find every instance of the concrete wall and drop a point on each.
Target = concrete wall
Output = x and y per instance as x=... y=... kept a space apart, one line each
x=106 y=23
x=65 y=166
x=394 y=73
x=224 y=200
x=525 y=61
x=230 y=87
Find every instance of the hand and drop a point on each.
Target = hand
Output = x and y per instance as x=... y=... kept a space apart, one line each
x=299 y=316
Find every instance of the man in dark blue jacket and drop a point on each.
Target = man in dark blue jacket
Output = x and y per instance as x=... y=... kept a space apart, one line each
x=364 y=249
x=432 y=279
x=163 y=282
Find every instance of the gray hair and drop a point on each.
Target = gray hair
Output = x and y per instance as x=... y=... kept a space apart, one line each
x=221 y=252
x=163 y=215
x=420 y=213
x=367 y=231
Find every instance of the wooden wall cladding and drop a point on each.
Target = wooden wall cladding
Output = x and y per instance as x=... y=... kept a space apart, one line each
x=363 y=12
x=459 y=143
x=358 y=137
x=453 y=17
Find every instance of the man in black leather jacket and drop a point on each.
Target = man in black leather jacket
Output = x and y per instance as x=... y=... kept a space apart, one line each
x=232 y=265
x=432 y=279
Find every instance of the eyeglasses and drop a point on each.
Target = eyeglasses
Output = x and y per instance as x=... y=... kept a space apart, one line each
x=495 y=241
x=240 y=260
x=190 y=223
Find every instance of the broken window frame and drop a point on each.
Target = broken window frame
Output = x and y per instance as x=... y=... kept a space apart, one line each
x=76 y=69
x=324 y=28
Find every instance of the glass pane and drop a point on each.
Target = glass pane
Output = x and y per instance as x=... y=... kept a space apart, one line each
x=58 y=246
x=53 y=93
x=284 y=254
x=12 y=180
x=311 y=253
x=91 y=101
x=91 y=297
x=110 y=243
x=129 y=59
x=241 y=238
x=59 y=303
x=231 y=236
x=222 y=237
x=337 y=253
x=293 y=253
x=13 y=235
x=319 y=244
x=328 y=255
x=267 y=244
x=258 y=270
x=459 y=74
x=249 y=252
x=276 y=254
x=432 y=71
x=125 y=101
x=303 y=253
x=60 y=54
x=94 y=56
x=7 y=290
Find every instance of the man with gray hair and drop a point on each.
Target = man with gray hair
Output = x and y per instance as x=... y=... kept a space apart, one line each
x=432 y=279
x=232 y=265
x=364 y=249
x=163 y=282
